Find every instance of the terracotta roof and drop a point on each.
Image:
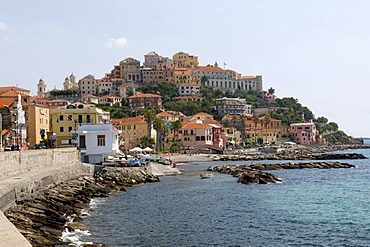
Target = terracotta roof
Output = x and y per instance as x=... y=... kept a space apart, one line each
x=189 y=97
x=4 y=131
x=194 y=126
x=202 y=114
x=163 y=114
x=213 y=122
x=129 y=120
x=211 y=68
x=89 y=96
x=248 y=77
x=6 y=101
x=13 y=88
x=125 y=85
x=143 y=95
x=188 y=85
x=110 y=97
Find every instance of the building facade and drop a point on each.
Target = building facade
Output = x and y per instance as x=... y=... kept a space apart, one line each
x=304 y=133
x=184 y=60
x=233 y=106
x=145 y=100
x=37 y=123
x=64 y=121
x=87 y=85
x=97 y=141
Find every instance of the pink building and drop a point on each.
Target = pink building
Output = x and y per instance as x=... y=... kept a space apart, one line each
x=304 y=133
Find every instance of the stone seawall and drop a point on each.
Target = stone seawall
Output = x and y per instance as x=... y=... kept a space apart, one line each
x=24 y=174
x=43 y=219
x=18 y=162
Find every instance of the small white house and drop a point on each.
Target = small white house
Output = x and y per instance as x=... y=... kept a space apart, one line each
x=97 y=141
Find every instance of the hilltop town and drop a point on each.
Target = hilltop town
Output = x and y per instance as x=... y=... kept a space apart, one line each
x=168 y=105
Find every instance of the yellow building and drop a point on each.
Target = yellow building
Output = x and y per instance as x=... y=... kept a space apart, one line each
x=182 y=59
x=67 y=118
x=133 y=129
x=38 y=123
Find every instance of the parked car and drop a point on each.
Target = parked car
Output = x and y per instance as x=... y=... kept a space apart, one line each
x=39 y=146
x=13 y=147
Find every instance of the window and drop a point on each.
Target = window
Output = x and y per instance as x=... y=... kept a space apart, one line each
x=61 y=129
x=79 y=118
x=69 y=129
x=61 y=118
x=69 y=118
x=88 y=119
x=101 y=140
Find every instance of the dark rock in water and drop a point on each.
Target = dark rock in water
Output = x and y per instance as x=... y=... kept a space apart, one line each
x=252 y=174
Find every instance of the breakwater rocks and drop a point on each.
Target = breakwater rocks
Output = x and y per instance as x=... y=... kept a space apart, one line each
x=43 y=219
x=252 y=174
x=293 y=156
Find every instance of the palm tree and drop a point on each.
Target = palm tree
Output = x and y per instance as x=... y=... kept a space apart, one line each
x=149 y=116
x=255 y=121
x=160 y=126
x=234 y=120
x=242 y=122
x=175 y=127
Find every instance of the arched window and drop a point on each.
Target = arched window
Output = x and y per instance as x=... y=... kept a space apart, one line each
x=197 y=138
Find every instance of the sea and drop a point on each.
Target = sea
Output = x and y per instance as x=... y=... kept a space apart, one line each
x=312 y=207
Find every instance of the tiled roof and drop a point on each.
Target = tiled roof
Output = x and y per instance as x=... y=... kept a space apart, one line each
x=6 y=101
x=143 y=95
x=163 y=114
x=89 y=96
x=129 y=120
x=248 y=77
x=13 y=88
x=202 y=114
x=189 y=97
x=211 y=68
x=194 y=126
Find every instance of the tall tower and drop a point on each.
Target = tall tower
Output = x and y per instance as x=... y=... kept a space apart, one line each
x=66 y=84
x=41 y=89
x=72 y=80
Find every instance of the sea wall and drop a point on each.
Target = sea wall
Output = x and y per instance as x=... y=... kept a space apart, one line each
x=18 y=162
x=25 y=174
x=43 y=219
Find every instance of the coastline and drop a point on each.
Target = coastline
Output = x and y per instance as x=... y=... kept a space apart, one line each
x=43 y=219
x=73 y=196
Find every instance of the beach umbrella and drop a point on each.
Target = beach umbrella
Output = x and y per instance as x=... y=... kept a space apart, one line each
x=136 y=149
x=147 y=149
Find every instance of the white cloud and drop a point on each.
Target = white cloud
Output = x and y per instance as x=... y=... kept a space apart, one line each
x=3 y=26
x=119 y=43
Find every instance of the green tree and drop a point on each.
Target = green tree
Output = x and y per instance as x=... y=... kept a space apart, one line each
x=160 y=126
x=175 y=127
x=146 y=141
x=175 y=147
x=149 y=116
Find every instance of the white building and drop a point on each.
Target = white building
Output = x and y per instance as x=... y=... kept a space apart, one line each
x=233 y=106
x=188 y=89
x=97 y=141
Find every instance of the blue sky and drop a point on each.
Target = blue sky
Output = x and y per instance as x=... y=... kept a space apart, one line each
x=316 y=51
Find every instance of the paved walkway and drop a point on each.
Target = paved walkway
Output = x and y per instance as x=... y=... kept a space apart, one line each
x=158 y=169
x=9 y=234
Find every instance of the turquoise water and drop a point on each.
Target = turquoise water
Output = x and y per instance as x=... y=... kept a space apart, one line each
x=311 y=208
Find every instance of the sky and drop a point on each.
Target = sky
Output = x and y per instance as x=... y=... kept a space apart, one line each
x=316 y=51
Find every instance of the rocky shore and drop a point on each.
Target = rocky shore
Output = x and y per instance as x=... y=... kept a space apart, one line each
x=43 y=219
x=252 y=174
